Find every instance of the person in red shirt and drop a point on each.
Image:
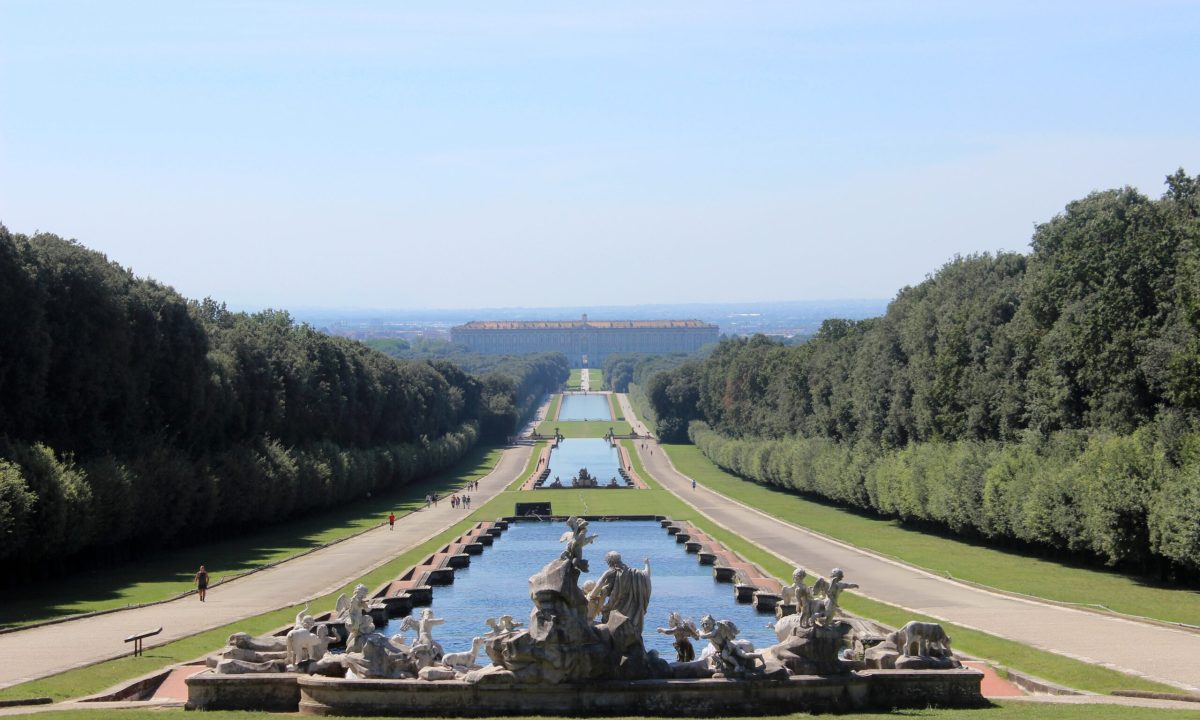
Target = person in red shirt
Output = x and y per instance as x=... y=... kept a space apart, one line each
x=391 y=521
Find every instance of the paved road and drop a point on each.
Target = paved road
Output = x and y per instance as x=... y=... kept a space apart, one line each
x=42 y=651
x=1160 y=653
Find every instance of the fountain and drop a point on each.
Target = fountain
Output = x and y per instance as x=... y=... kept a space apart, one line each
x=582 y=651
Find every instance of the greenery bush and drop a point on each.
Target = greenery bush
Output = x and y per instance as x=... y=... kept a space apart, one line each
x=1050 y=399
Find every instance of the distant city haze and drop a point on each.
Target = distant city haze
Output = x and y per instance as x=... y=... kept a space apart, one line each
x=472 y=155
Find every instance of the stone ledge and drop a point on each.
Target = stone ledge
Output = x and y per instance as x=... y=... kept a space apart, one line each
x=872 y=689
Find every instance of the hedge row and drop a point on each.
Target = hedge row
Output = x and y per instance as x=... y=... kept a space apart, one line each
x=54 y=508
x=1126 y=499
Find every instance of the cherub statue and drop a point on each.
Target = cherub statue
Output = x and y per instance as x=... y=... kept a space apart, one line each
x=826 y=594
x=595 y=603
x=576 y=539
x=424 y=627
x=730 y=658
x=684 y=631
x=799 y=595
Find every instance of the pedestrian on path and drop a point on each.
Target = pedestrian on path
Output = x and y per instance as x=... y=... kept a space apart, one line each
x=693 y=483
x=428 y=501
x=391 y=521
x=202 y=582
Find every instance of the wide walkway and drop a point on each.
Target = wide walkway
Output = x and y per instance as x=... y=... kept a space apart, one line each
x=42 y=651
x=1160 y=653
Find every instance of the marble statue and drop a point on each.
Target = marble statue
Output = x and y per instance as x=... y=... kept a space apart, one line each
x=244 y=653
x=424 y=627
x=306 y=641
x=827 y=592
x=730 y=658
x=464 y=661
x=577 y=539
x=595 y=603
x=921 y=639
x=684 y=631
x=625 y=590
x=799 y=595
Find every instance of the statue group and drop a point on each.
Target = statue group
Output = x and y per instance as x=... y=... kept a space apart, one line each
x=590 y=633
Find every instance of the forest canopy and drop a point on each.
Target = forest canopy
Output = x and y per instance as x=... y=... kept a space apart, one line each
x=1049 y=399
x=131 y=416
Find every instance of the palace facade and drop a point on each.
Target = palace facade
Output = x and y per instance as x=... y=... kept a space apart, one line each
x=584 y=342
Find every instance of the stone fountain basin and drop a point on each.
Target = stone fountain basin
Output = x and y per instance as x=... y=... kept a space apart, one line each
x=863 y=690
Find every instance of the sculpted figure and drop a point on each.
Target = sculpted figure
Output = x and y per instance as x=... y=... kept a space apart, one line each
x=424 y=626
x=921 y=639
x=827 y=593
x=306 y=641
x=624 y=589
x=595 y=604
x=684 y=631
x=801 y=596
x=729 y=657
x=576 y=539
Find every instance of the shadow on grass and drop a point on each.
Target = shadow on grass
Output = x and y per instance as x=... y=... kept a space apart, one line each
x=158 y=574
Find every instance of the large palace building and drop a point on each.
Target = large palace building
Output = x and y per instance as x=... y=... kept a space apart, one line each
x=584 y=342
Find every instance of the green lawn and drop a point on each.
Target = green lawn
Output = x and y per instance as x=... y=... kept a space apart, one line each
x=596 y=378
x=959 y=559
x=552 y=409
x=165 y=574
x=573 y=381
x=590 y=428
x=1002 y=710
x=615 y=406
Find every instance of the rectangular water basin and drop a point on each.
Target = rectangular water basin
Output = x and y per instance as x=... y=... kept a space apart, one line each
x=497 y=583
x=573 y=454
x=585 y=407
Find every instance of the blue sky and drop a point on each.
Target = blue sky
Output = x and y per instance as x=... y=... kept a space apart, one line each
x=477 y=154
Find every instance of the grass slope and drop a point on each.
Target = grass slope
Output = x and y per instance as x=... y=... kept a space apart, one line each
x=166 y=574
x=948 y=556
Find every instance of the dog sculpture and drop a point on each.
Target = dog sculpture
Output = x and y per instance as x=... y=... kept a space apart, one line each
x=922 y=639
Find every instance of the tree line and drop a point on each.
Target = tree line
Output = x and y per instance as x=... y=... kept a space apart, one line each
x=132 y=417
x=513 y=385
x=622 y=369
x=1050 y=399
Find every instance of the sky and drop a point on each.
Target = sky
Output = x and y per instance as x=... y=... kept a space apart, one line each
x=485 y=154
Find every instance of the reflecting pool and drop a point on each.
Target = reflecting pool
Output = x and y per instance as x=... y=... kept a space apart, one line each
x=595 y=454
x=585 y=407
x=497 y=583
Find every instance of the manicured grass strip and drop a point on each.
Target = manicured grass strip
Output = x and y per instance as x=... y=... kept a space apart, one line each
x=530 y=466
x=168 y=573
x=1001 y=710
x=575 y=378
x=584 y=429
x=615 y=407
x=595 y=378
x=552 y=410
x=948 y=556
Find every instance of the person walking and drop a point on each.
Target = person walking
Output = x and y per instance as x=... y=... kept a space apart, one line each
x=202 y=582
x=391 y=521
x=693 y=483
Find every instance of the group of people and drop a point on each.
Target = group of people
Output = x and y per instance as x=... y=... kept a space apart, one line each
x=460 y=502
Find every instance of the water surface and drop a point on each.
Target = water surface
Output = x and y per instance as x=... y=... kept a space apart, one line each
x=596 y=454
x=497 y=582
x=585 y=407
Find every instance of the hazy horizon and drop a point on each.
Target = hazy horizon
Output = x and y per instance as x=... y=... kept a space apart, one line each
x=542 y=154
